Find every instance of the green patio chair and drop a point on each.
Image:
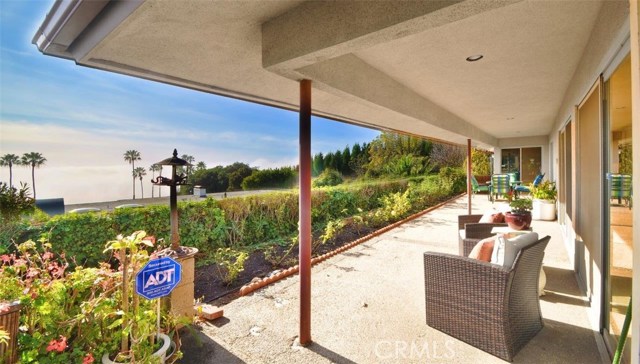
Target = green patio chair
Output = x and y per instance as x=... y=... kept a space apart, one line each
x=621 y=188
x=476 y=187
x=500 y=186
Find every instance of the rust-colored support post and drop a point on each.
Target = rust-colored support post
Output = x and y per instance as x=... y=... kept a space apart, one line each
x=305 y=212
x=469 y=192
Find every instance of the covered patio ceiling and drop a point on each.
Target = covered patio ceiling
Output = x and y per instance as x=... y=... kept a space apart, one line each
x=385 y=64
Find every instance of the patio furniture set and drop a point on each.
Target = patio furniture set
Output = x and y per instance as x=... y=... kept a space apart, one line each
x=503 y=184
x=490 y=303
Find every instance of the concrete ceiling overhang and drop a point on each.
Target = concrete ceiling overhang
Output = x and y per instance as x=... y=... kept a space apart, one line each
x=392 y=65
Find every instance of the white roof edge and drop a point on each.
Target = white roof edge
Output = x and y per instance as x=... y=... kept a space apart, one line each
x=73 y=27
x=54 y=21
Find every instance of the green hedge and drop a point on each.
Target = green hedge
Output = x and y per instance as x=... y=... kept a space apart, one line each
x=245 y=222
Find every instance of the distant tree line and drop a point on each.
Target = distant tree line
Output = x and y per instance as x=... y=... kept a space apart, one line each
x=389 y=155
x=221 y=178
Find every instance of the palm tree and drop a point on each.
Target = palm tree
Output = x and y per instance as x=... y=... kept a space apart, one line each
x=132 y=156
x=190 y=159
x=140 y=172
x=35 y=160
x=9 y=160
x=154 y=168
x=201 y=166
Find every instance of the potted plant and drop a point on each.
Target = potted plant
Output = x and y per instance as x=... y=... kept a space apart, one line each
x=544 y=201
x=519 y=218
x=141 y=338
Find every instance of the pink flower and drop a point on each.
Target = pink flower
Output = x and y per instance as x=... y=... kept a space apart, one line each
x=57 y=345
x=20 y=262
x=47 y=255
x=5 y=258
x=88 y=359
x=32 y=272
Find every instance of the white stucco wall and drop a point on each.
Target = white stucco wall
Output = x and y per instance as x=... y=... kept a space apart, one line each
x=609 y=34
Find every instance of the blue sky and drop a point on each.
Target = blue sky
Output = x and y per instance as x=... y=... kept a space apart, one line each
x=83 y=120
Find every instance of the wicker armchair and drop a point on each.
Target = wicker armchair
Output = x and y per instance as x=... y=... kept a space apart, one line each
x=471 y=232
x=491 y=307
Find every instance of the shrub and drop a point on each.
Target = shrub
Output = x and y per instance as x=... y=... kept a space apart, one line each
x=242 y=222
x=452 y=180
x=328 y=177
x=480 y=162
x=202 y=225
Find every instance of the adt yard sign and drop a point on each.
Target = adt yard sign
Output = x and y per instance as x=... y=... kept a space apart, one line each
x=158 y=278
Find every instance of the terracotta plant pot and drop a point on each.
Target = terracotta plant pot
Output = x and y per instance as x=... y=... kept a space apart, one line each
x=518 y=221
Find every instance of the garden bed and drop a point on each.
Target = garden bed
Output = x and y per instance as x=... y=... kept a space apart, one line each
x=210 y=287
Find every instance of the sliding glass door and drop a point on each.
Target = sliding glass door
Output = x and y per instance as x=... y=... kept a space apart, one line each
x=619 y=202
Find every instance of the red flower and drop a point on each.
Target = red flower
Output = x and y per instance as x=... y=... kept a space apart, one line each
x=88 y=359
x=57 y=345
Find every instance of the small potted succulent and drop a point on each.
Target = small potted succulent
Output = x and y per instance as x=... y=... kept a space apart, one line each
x=519 y=218
x=544 y=201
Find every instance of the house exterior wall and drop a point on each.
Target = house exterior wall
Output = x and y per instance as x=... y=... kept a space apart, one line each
x=584 y=228
x=524 y=142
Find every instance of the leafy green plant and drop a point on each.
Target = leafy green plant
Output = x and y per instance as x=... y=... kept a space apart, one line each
x=15 y=202
x=544 y=191
x=277 y=256
x=395 y=206
x=64 y=314
x=136 y=316
x=230 y=263
x=521 y=205
x=332 y=229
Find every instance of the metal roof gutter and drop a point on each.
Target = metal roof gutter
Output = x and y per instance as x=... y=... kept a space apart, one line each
x=73 y=27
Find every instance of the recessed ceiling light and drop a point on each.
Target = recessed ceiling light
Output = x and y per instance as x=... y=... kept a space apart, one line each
x=475 y=57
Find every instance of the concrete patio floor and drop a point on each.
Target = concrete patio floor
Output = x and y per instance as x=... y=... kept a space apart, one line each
x=368 y=307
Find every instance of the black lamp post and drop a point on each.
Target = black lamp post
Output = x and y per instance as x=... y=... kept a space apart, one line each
x=173 y=182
